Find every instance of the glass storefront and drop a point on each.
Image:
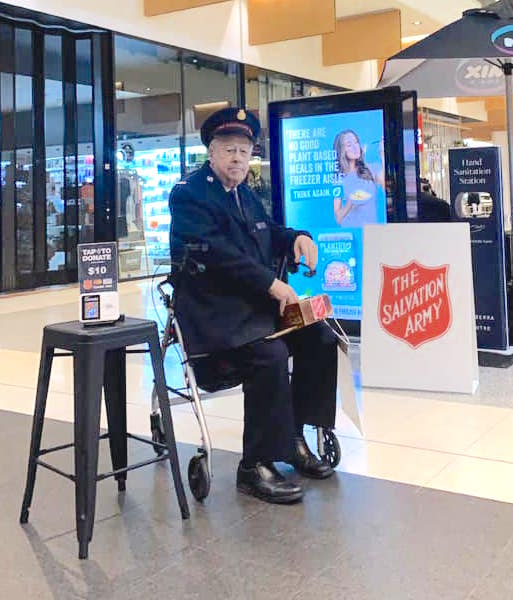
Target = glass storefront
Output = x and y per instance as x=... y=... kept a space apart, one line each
x=262 y=87
x=47 y=151
x=208 y=84
x=149 y=127
x=23 y=145
x=163 y=96
x=96 y=129
x=439 y=133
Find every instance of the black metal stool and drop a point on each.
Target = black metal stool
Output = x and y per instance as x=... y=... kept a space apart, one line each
x=99 y=358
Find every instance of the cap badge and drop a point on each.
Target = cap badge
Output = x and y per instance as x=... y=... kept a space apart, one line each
x=241 y=115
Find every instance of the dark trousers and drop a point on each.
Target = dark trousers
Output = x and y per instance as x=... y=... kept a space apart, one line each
x=274 y=405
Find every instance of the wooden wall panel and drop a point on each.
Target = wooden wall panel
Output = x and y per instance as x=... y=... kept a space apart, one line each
x=479 y=131
x=363 y=37
x=497 y=118
x=471 y=98
x=161 y=7
x=279 y=20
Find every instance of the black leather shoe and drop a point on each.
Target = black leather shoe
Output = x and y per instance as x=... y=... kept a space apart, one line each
x=265 y=482
x=307 y=463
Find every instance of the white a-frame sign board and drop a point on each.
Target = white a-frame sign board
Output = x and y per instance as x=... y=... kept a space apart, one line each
x=418 y=321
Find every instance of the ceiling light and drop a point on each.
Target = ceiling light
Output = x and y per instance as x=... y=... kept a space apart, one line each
x=148 y=89
x=194 y=60
x=416 y=22
x=412 y=39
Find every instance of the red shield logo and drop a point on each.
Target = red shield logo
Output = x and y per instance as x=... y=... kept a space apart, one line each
x=415 y=304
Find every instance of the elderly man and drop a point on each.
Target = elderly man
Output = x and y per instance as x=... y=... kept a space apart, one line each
x=230 y=302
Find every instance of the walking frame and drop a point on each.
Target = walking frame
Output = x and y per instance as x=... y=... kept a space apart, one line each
x=200 y=470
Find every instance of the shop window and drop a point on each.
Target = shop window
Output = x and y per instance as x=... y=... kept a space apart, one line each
x=85 y=138
x=312 y=89
x=24 y=142
x=439 y=133
x=69 y=174
x=209 y=84
x=54 y=136
x=7 y=160
x=149 y=129
x=262 y=87
x=47 y=151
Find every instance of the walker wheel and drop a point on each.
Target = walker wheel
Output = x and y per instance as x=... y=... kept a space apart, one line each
x=199 y=479
x=332 y=452
x=157 y=434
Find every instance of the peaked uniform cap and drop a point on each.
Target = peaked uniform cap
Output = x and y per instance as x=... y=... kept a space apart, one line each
x=230 y=121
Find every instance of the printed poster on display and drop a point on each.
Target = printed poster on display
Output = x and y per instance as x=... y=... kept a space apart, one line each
x=98 y=267
x=476 y=198
x=418 y=308
x=98 y=279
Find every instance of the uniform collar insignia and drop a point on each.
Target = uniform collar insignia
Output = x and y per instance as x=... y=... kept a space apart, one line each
x=210 y=179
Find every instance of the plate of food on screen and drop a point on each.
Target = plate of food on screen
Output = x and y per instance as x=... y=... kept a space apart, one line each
x=339 y=276
x=360 y=196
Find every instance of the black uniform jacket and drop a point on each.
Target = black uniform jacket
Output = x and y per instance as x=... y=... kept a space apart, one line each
x=224 y=303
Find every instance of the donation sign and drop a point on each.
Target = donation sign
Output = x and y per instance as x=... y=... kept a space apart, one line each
x=98 y=267
x=98 y=278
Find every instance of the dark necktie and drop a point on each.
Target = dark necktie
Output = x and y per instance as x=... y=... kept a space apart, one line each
x=235 y=196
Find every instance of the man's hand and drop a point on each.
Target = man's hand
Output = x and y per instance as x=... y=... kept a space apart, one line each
x=304 y=246
x=283 y=293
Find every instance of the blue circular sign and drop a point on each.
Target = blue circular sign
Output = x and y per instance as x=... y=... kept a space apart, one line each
x=502 y=39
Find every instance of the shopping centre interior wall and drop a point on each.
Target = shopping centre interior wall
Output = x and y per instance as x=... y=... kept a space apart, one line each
x=219 y=30
x=500 y=138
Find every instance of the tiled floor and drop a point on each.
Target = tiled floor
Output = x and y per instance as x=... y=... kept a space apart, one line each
x=450 y=442
x=352 y=537
x=375 y=531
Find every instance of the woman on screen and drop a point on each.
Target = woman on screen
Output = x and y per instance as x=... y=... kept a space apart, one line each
x=357 y=203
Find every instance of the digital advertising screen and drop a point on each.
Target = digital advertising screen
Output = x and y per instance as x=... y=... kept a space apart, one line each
x=333 y=183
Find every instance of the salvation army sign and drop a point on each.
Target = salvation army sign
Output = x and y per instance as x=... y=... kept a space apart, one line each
x=414 y=303
x=418 y=327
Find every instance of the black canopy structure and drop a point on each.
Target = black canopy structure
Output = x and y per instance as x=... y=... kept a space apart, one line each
x=471 y=57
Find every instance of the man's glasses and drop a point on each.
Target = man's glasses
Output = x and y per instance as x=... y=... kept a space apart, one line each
x=244 y=151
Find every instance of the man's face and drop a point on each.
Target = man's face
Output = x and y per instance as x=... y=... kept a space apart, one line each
x=229 y=158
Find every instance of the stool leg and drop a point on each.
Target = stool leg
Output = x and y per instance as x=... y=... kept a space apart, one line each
x=88 y=378
x=167 y=421
x=114 y=381
x=43 y=382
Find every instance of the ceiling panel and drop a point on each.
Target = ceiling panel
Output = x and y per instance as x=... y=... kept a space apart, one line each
x=431 y=14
